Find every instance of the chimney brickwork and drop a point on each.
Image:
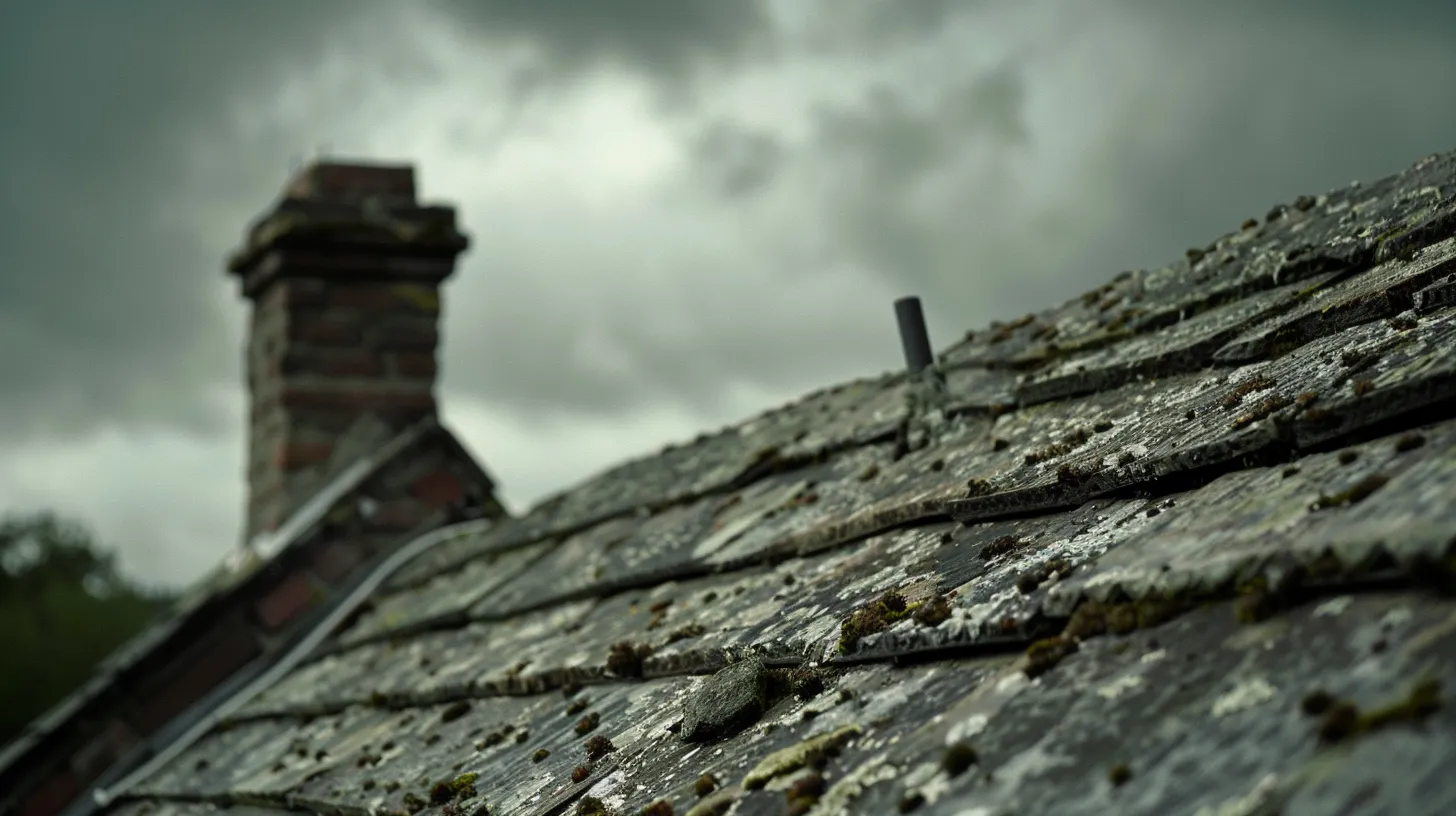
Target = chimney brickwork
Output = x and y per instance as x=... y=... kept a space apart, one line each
x=344 y=276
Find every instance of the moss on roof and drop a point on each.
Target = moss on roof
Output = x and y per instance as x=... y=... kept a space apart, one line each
x=1151 y=523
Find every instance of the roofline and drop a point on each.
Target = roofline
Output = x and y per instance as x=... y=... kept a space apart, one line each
x=102 y=797
x=298 y=527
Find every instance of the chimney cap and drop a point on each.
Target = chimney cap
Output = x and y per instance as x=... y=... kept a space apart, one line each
x=354 y=182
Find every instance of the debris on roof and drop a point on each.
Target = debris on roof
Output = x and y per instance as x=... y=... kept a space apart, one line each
x=1183 y=545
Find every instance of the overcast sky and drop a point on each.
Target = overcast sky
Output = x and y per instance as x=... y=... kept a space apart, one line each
x=683 y=211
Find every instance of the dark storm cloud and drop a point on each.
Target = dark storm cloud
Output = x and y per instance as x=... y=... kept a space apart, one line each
x=1240 y=106
x=736 y=161
x=108 y=307
x=664 y=39
x=105 y=310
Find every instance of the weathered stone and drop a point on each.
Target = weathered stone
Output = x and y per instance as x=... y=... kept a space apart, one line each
x=726 y=703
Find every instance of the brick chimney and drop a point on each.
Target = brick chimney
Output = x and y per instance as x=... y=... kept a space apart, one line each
x=344 y=276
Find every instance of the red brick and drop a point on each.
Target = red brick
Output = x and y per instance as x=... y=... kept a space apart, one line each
x=438 y=489
x=51 y=796
x=102 y=751
x=288 y=294
x=332 y=330
x=292 y=455
x=404 y=337
x=356 y=399
x=335 y=562
x=220 y=652
x=399 y=514
x=286 y=601
x=331 y=362
x=373 y=299
x=415 y=365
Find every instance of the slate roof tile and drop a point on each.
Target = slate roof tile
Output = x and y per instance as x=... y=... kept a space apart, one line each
x=1181 y=545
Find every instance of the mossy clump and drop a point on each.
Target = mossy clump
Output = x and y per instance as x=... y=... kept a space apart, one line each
x=1005 y=545
x=391 y=786
x=1068 y=443
x=979 y=487
x=588 y=724
x=911 y=802
x=598 y=746
x=958 y=758
x=933 y=612
x=1403 y=322
x=540 y=755
x=685 y=632
x=1237 y=394
x=1119 y=774
x=1339 y=722
x=1093 y=618
x=1344 y=719
x=1256 y=602
x=875 y=616
x=661 y=807
x=455 y=711
x=705 y=784
x=624 y=659
x=413 y=803
x=804 y=793
x=813 y=753
x=1069 y=475
x=1409 y=442
x=591 y=806
x=1356 y=493
x=1029 y=581
x=1261 y=411
x=458 y=789
x=1317 y=702
x=807 y=682
x=576 y=706
x=1044 y=655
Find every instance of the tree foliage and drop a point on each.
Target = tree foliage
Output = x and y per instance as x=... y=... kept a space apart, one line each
x=64 y=607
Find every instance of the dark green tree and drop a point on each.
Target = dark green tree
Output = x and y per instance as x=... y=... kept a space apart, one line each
x=64 y=607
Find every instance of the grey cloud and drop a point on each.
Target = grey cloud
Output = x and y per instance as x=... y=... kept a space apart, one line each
x=106 y=311
x=111 y=314
x=109 y=311
x=922 y=183
x=736 y=161
x=669 y=41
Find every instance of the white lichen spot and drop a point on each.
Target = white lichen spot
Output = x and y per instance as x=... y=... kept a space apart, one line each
x=1247 y=694
x=967 y=728
x=1154 y=656
x=1399 y=616
x=1334 y=607
x=1251 y=803
x=869 y=773
x=1011 y=683
x=1119 y=687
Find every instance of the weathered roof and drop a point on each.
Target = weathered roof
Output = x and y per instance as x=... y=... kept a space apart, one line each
x=127 y=676
x=1181 y=545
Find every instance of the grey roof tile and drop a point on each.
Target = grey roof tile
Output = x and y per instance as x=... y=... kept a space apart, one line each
x=1382 y=292
x=1182 y=503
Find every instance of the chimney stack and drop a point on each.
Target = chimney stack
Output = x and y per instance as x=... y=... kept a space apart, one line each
x=344 y=276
